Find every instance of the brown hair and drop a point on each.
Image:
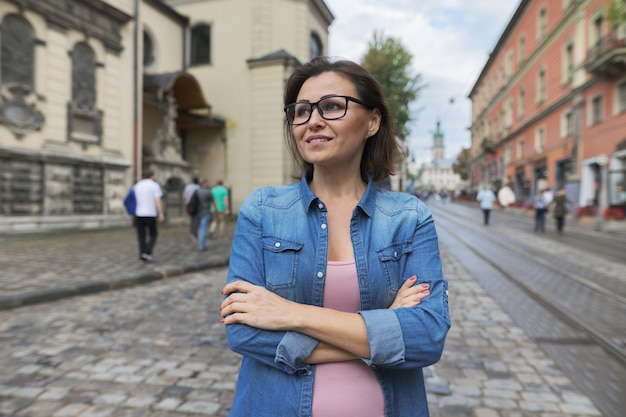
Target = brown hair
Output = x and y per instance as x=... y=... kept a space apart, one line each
x=382 y=150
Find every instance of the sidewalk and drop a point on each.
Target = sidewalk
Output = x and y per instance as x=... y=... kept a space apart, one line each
x=45 y=268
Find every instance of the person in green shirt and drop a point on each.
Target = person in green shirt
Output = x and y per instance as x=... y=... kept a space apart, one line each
x=220 y=195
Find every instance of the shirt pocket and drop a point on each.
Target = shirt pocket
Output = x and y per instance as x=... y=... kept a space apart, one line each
x=393 y=259
x=281 y=259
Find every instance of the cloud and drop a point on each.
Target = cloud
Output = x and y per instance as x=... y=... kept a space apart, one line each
x=450 y=41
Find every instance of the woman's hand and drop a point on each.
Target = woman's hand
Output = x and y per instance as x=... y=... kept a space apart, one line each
x=255 y=306
x=409 y=294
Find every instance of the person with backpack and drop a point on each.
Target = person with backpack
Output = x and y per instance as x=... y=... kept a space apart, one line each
x=206 y=205
x=188 y=192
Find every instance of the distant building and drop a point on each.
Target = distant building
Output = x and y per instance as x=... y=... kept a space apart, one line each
x=438 y=175
x=549 y=106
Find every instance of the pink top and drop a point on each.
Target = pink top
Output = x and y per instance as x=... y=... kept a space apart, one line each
x=348 y=388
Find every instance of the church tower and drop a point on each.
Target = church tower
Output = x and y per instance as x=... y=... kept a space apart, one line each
x=438 y=148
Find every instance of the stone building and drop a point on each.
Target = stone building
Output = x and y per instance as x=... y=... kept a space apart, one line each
x=549 y=106
x=438 y=175
x=95 y=92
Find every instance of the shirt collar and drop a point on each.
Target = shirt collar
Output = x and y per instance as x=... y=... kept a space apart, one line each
x=367 y=202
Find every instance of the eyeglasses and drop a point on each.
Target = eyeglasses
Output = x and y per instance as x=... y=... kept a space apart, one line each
x=330 y=108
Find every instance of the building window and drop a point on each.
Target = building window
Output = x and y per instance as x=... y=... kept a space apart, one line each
x=521 y=50
x=84 y=119
x=201 y=45
x=596 y=109
x=148 y=50
x=17 y=52
x=541 y=86
x=17 y=69
x=520 y=149
x=621 y=96
x=507 y=154
x=568 y=62
x=541 y=23
x=315 y=46
x=521 y=103
x=567 y=124
x=540 y=139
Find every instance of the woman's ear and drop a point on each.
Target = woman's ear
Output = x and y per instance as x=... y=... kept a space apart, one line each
x=373 y=124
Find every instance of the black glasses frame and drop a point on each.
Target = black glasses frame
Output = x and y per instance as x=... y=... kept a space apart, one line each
x=290 y=114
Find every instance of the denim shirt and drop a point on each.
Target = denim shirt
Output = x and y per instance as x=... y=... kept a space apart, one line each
x=281 y=243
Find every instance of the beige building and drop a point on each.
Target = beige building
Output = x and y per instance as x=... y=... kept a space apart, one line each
x=96 y=92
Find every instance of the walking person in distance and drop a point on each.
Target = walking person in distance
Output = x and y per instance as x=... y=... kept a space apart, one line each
x=559 y=211
x=220 y=195
x=486 y=197
x=193 y=218
x=149 y=209
x=335 y=295
x=206 y=205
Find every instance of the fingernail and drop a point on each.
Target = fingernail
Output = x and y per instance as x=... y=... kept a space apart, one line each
x=413 y=278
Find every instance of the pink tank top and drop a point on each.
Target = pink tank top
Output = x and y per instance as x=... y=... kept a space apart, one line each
x=347 y=388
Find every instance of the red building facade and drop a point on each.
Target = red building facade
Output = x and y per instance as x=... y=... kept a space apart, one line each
x=549 y=107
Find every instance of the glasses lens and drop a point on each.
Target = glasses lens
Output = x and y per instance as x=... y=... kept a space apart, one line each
x=333 y=108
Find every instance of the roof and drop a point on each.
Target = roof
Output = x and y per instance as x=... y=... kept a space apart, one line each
x=184 y=86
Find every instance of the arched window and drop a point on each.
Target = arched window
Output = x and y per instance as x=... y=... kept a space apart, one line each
x=315 y=45
x=148 y=49
x=83 y=76
x=17 y=52
x=85 y=120
x=201 y=45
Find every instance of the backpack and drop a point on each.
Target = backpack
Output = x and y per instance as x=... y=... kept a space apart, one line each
x=130 y=202
x=193 y=205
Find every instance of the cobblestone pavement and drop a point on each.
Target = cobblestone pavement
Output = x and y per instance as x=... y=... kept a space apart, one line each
x=158 y=350
x=43 y=268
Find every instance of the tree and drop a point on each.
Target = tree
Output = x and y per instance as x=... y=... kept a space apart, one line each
x=461 y=165
x=390 y=63
x=616 y=13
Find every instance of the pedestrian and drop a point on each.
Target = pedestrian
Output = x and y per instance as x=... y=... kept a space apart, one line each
x=149 y=209
x=486 y=197
x=335 y=294
x=540 y=204
x=506 y=196
x=559 y=204
x=188 y=191
x=220 y=195
x=206 y=205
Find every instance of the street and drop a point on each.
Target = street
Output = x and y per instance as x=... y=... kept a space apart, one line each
x=158 y=349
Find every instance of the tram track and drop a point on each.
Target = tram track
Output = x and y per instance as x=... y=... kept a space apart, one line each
x=553 y=303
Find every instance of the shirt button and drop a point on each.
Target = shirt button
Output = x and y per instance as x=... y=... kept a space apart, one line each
x=320 y=274
x=320 y=206
x=277 y=245
x=323 y=226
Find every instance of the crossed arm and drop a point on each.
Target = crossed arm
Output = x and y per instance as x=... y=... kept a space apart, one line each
x=342 y=336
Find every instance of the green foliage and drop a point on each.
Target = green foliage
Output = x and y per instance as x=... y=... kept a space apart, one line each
x=460 y=166
x=390 y=63
x=616 y=13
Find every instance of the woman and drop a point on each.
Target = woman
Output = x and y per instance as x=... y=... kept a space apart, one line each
x=335 y=294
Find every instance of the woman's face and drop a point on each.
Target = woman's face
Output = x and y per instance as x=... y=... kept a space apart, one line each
x=339 y=142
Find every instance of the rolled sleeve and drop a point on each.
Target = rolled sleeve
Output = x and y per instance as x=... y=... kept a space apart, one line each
x=292 y=350
x=384 y=333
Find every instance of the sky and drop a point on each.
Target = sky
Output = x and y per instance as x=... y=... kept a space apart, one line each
x=450 y=41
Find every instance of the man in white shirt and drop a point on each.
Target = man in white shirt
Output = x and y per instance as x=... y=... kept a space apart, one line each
x=148 y=194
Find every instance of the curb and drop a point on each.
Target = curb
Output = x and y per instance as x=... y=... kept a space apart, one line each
x=92 y=287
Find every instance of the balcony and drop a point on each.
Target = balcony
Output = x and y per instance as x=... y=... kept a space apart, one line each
x=607 y=57
x=488 y=146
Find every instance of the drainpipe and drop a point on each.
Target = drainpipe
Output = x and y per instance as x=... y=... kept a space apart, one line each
x=136 y=160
